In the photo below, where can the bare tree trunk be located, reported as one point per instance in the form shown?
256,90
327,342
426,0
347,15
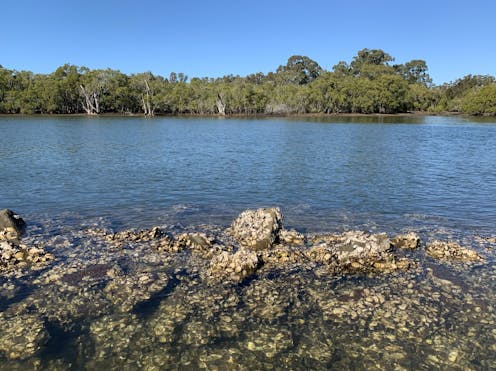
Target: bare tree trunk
90,103
147,101
221,107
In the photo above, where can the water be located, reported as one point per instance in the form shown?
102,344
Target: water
136,170
105,305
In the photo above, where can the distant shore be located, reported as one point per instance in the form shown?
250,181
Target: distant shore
255,115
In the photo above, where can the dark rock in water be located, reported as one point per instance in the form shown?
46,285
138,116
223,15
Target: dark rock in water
257,229
11,225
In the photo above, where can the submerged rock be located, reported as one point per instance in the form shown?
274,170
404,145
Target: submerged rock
449,250
127,236
409,240
21,336
257,229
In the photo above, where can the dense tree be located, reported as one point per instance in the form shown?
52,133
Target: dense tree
299,70
481,101
369,84
415,72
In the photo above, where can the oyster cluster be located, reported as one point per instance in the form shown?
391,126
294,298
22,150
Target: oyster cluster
254,295
450,250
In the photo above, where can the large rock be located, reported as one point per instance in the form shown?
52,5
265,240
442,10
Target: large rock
257,229
11,225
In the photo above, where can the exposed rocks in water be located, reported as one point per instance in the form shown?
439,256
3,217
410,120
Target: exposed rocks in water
257,229
356,251
254,295
11,225
13,253
451,251
409,240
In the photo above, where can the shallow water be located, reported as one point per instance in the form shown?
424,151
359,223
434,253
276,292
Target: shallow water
432,175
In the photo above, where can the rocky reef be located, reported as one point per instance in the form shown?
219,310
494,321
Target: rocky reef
253,294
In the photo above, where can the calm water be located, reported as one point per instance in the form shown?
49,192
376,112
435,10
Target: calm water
394,171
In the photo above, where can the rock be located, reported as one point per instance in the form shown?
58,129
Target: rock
449,250
361,245
233,267
11,225
257,229
355,251
409,240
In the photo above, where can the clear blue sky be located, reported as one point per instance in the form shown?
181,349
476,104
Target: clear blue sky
214,38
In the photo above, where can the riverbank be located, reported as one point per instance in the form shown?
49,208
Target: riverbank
250,294
255,115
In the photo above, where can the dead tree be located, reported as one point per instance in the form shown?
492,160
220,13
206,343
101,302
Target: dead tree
221,107
90,103
146,100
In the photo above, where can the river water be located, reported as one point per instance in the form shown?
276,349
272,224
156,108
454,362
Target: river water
435,175
137,171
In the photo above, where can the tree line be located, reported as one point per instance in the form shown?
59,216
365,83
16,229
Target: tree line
370,83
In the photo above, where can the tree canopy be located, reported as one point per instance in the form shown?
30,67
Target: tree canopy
370,83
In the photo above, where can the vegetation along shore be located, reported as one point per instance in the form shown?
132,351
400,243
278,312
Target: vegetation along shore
370,83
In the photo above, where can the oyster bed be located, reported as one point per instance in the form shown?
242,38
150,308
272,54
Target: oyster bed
250,296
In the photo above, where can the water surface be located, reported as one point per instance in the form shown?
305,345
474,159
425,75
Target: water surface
135,170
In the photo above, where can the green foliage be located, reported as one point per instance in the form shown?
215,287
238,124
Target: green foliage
298,70
480,101
369,84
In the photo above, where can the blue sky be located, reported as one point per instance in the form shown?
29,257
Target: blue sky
214,38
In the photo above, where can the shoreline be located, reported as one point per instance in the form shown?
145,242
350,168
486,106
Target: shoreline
242,115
